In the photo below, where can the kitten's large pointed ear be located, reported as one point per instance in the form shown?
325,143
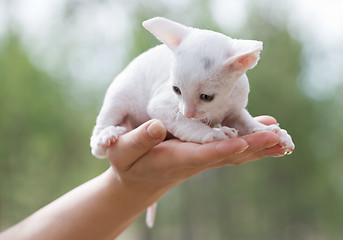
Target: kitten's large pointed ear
246,57
168,32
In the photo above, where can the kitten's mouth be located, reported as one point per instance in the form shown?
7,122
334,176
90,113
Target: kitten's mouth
199,116
196,118
204,120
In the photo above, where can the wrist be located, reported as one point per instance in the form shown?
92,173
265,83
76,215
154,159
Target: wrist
137,195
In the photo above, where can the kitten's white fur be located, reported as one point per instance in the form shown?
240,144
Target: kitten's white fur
197,62
202,64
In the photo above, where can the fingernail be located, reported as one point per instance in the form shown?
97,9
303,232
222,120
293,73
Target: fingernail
156,129
269,145
278,155
242,149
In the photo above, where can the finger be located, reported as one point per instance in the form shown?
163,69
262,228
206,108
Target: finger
275,151
253,149
191,155
131,146
267,120
261,140
257,142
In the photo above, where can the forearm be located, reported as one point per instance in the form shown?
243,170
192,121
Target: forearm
99,209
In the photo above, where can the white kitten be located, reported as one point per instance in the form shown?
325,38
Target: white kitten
192,82
195,80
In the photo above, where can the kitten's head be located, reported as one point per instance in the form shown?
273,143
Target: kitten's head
206,66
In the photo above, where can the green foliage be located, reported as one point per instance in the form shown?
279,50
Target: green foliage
45,149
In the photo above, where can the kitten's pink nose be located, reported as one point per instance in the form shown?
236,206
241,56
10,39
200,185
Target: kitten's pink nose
189,114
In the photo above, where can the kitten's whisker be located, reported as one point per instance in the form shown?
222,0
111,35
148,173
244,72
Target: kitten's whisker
176,112
207,120
179,114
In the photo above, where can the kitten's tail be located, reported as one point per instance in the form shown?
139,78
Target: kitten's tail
150,215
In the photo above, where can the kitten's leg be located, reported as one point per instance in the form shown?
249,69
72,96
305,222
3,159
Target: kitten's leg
196,131
106,130
184,128
246,124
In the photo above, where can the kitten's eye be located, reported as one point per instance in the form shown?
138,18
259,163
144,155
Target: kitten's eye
177,90
207,98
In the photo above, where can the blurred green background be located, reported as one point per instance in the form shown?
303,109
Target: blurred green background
58,57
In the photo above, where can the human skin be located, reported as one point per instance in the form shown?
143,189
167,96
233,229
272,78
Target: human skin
143,168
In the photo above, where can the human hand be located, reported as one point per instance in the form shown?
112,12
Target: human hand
146,163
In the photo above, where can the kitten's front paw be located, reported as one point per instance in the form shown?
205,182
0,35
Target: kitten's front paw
219,134
285,139
230,132
104,139
109,135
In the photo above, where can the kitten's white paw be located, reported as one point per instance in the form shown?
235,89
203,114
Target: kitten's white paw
104,139
109,135
285,139
219,134
230,132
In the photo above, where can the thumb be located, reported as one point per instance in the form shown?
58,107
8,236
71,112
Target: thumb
134,144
